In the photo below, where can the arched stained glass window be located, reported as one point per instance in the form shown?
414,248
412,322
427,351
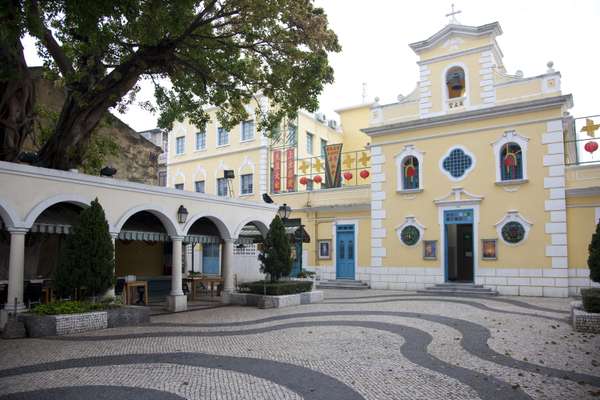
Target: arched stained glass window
511,162
410,173
455,81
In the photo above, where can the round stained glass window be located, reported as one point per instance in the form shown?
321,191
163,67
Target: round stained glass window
513,232
410,235
457,163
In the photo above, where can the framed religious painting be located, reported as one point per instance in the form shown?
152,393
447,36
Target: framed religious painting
325,249
430,249
489,249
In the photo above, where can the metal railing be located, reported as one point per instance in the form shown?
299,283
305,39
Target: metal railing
581,144
309,174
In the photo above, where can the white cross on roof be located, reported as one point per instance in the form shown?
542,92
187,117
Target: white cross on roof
452,15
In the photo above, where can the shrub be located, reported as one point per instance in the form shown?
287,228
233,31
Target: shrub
306,274
594,255
86,260
591,300
70,307
276,288
275,257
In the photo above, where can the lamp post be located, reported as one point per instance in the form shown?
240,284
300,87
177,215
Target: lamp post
284,211
182,214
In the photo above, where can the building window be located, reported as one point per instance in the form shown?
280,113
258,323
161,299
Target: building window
180,145
222,187
222,136
247,130
309,142
513,232
513,228
511,162
200,140
179,186
323,147
457,163
162,178
410,173
455,82
292,138
199,185
247,184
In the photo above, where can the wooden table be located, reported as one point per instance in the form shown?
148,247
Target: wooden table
129,297
208,281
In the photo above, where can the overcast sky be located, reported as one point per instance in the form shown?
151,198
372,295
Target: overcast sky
375,35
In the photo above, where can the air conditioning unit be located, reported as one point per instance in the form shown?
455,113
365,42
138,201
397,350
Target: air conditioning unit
332,123
320,117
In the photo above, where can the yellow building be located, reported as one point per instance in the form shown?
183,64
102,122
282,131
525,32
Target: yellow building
477,176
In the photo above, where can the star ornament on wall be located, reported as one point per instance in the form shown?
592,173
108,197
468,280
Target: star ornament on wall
318,165
303,166
590,128
348,162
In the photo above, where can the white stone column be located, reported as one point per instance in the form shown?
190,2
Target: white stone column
16,269
110,293
227,266
176,301
188,258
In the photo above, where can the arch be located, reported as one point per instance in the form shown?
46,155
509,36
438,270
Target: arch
176,178
510,137
409,151
246,163
8,215
200,172
76,199
262,226
444,86
170,225
224,230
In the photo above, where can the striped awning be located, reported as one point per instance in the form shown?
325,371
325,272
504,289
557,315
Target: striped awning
59,229
147,236
194,239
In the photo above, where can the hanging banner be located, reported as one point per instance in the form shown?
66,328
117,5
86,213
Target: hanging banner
333,176
291,170
276,171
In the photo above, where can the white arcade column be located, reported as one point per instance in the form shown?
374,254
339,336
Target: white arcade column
16,269
188,258
110,293
227,268
176,301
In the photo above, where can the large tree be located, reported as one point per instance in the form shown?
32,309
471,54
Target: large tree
195,52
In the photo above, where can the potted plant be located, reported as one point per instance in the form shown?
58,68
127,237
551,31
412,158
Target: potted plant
591,296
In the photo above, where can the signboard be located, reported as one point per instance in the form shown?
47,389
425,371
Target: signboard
291,170
333,158
276,171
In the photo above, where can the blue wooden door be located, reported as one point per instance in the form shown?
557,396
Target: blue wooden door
344,252
297,261
210,258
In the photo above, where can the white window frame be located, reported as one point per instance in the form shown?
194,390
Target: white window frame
177,152
228,137
467,171
196,186
409,150
310,138
510,136
513,215
251,192
253,133
200,133
226,188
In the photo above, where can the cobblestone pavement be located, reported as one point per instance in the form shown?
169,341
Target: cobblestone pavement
356,345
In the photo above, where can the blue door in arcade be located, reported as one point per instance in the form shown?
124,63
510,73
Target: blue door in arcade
210,258
344,252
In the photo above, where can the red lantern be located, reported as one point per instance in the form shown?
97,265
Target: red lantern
303,180
591,147
347,175
364,174
318,179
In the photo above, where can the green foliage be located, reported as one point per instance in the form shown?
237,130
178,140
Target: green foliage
99,148
276,257
86,260
276,288
594,256
590,299
70,307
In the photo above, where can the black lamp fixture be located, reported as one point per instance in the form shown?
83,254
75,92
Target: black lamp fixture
182,214
108,171
228,174
284,211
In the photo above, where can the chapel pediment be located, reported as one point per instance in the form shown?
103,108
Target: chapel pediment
458,196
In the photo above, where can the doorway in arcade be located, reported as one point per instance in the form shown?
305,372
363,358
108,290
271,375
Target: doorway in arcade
297,236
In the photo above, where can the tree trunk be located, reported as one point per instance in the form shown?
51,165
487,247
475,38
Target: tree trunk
16,87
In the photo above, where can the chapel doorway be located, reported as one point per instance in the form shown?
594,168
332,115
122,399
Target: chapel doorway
459,245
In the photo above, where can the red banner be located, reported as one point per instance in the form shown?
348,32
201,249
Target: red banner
291,170
332,165
276,170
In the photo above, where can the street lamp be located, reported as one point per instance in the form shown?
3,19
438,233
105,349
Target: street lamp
284,211
182,214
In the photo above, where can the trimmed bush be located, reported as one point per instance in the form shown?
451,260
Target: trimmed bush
70,307
275,258
594,256
276,288
590,299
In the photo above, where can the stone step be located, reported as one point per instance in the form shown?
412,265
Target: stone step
459,291
342,284
458,285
